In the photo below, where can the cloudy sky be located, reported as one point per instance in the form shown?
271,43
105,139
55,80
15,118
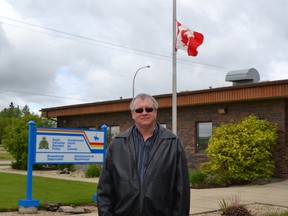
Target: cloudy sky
64,52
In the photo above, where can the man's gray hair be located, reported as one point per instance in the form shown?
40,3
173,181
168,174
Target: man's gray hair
143,96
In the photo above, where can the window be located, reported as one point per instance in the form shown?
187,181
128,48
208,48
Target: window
204,132
112,131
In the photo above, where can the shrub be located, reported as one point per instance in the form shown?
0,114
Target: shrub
234,208
196,177
239,210
93,171
241,153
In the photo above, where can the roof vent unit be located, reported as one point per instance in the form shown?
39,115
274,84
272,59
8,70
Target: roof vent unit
243,77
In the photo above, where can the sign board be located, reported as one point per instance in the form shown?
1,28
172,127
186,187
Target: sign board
60,145
54,145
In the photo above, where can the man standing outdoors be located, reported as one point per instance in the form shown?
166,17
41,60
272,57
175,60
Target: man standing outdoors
145,171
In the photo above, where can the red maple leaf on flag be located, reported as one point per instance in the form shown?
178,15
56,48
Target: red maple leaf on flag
188,40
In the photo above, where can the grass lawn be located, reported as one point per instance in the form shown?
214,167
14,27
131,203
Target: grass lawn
13,188
280,214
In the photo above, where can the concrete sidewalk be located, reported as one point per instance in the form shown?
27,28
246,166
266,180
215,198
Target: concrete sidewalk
205,200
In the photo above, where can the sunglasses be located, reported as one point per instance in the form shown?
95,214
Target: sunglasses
147,109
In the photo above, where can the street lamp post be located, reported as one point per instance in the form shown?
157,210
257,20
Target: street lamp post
148,66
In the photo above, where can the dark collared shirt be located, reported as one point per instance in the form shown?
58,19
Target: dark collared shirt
142,150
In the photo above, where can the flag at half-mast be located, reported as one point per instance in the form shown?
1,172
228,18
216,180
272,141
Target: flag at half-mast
188,40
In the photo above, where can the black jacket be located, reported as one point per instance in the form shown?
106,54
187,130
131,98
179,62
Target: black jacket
165,190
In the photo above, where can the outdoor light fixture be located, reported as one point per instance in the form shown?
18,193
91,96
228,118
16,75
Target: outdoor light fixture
222,111
148,66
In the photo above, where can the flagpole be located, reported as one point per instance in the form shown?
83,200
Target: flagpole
174,73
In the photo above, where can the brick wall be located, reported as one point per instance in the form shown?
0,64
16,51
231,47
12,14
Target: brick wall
273,110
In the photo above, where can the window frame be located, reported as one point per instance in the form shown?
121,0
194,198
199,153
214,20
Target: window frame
198,136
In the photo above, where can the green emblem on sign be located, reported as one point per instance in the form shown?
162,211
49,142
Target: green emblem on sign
43,144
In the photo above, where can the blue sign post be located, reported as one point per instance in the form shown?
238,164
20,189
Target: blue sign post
29,202
62,146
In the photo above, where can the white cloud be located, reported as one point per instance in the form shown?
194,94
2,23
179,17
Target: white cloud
100,45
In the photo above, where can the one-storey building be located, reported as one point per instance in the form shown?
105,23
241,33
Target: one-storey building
197,112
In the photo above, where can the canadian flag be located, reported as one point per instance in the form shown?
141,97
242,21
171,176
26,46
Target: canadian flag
188,40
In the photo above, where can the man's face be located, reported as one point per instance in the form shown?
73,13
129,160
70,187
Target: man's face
144,113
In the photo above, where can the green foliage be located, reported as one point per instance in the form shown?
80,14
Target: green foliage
4,121
11,112
223,204
8,113
51,190
234,200
279,214
93,171
196,177
241,153
15,137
